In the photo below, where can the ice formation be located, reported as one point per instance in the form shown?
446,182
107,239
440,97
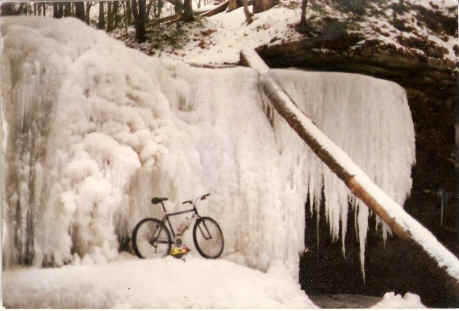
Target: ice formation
354,111
96,129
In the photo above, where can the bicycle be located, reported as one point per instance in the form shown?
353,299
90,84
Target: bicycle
151,238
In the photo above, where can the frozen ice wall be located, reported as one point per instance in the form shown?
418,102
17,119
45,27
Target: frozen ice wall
370,120
66,174
259,194
96,129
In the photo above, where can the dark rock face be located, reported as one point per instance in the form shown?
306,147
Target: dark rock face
432,76
430,82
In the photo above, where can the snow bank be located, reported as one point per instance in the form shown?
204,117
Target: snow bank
391,300
160,283
96,130
232,34
129,282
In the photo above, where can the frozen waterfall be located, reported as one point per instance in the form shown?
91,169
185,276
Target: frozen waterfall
96,129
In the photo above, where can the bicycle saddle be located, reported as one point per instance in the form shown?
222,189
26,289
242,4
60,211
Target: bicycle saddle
156,200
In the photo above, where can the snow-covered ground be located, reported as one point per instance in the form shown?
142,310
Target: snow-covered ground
129,282
227,33
232,34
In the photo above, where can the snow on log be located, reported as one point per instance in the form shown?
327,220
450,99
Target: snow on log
405,226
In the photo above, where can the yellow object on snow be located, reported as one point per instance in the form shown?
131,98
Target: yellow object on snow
179,251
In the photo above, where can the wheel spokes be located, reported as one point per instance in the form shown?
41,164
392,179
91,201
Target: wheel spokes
152,240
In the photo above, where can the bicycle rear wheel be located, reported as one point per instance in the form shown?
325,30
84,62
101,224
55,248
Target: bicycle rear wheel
151,239
208,238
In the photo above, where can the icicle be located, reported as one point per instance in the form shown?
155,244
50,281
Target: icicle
363,229
344,214
383,227
318,232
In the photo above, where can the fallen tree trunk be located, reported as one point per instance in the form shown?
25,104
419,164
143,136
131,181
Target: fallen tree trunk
213,66
177,17
207,13
221,8
169,19
355,179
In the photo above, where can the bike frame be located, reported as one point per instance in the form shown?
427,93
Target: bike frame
166,217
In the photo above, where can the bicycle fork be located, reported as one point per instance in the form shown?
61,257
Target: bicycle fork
205,233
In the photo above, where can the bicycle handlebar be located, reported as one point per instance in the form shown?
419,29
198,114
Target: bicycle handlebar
203,197
156,200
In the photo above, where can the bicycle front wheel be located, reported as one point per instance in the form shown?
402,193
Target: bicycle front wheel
208,238
151,239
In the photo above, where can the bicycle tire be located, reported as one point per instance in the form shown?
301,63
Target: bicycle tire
208,238
146,239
